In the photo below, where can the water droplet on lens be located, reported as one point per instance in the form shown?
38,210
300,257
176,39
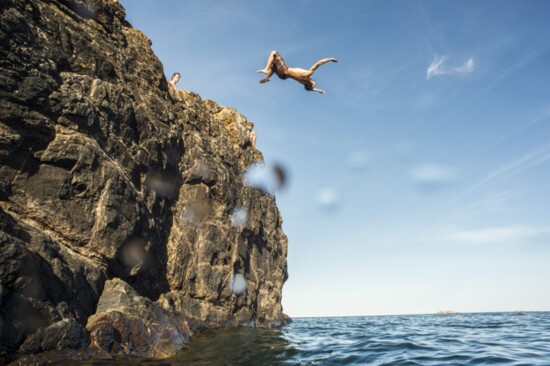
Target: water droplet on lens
268,178
195,213
238,284
432,177
280,174
239,216
357,160
328,199
133,252
161,185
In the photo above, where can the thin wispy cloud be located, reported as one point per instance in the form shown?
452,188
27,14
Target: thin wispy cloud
493,201
542,117
516,166
467,67
436,67
360,88
439,67
500,235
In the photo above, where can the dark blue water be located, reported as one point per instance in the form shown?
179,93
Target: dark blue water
459,339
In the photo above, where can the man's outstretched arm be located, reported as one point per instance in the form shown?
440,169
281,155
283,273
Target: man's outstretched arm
321,62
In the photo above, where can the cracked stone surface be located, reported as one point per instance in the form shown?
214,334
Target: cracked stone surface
108,173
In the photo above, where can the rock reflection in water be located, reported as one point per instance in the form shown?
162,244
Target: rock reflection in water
241,346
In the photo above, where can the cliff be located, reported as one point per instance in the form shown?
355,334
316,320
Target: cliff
118,194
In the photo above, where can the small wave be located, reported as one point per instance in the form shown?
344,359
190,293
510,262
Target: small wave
491,360
472,339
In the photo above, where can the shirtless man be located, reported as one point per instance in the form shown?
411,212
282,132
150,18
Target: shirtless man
175,78
276,64
251,134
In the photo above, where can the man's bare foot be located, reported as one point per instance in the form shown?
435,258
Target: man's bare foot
264,80
263,71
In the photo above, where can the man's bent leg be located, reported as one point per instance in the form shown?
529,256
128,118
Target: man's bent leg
269,63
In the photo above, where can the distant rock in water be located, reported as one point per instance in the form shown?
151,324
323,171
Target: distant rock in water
118,194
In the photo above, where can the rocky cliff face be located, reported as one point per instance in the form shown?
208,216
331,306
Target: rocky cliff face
114,185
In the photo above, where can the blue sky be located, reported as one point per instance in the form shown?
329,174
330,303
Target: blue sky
420,181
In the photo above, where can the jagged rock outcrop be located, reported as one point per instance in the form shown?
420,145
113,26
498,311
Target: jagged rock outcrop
108,173
125,322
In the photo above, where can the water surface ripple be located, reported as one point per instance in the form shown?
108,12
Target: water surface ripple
457,339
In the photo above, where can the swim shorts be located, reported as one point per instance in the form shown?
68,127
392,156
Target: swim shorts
279,66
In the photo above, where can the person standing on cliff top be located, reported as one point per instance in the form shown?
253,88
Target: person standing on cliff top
276,64
251,134
175,78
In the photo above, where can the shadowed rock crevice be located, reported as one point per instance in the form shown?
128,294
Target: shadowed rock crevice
125,223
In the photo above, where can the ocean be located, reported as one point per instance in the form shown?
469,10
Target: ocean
519,338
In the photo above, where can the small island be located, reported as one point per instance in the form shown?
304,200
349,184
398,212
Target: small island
447,312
